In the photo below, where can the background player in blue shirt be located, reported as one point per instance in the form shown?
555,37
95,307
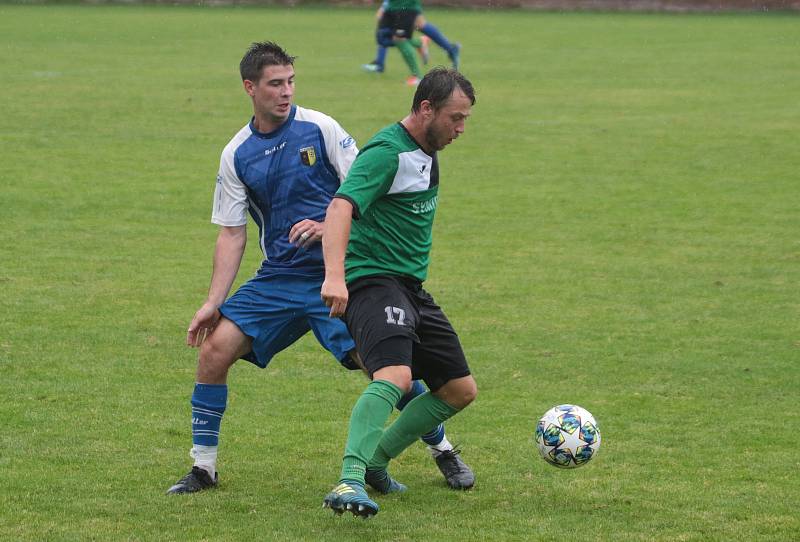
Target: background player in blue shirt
282,168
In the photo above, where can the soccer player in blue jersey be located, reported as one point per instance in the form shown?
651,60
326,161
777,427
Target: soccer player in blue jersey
283,168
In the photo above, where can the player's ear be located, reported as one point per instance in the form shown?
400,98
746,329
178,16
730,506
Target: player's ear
426,108
249,87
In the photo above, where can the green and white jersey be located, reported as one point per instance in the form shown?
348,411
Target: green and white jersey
393,186
396,5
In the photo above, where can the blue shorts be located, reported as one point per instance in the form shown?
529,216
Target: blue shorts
275,311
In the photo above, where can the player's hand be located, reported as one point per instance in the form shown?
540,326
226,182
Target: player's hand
306,232
334,294
203,323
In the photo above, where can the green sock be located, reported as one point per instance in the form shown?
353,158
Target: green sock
415,42
366,427
419,416
407,50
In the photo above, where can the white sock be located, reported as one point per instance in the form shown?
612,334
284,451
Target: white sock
441,447
205,457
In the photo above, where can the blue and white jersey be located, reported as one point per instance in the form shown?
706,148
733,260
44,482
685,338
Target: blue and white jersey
281,178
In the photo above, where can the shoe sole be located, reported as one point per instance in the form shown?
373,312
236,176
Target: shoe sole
362,511
178,490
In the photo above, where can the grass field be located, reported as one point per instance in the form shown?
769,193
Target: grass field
618,228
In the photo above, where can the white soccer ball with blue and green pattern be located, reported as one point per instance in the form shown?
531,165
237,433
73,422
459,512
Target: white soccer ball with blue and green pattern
567,436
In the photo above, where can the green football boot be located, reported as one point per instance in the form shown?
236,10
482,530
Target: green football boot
350,497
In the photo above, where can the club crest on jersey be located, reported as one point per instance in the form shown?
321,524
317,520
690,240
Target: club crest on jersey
308,156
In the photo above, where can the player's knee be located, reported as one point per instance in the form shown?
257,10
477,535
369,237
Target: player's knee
213,362
399,375
459,393
405,384
384,37
470,393
465,394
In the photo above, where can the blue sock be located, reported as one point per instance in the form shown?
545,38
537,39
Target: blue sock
438,38
380,56
208,405
417,388
433,437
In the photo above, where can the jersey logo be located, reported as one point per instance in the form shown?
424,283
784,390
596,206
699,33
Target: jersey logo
308,156
423,207
347,142
276,148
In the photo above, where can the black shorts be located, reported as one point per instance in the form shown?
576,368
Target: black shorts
395,322
401,22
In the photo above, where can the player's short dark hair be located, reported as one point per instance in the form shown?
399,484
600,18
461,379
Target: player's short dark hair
262,54
437,86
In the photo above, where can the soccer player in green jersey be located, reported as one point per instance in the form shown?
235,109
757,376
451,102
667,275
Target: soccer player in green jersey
376,247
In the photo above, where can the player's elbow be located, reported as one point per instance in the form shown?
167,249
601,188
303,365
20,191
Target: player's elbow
339,207
233,236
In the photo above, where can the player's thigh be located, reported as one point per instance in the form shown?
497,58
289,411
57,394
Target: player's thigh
271,312
438,356
220,350
332,334
226,342
381,318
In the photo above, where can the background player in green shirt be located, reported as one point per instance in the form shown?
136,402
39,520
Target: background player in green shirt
375,282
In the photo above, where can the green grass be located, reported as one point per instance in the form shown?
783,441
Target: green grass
618,228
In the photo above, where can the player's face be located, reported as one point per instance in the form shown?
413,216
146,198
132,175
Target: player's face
272,94
448,122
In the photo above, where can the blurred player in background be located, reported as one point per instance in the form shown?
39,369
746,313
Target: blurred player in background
393,30
283,167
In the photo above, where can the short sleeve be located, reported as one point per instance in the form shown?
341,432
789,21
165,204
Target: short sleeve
370,177
340,147
230,194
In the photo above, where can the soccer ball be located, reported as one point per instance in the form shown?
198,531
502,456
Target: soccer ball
567,436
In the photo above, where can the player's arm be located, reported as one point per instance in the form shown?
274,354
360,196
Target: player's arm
338,220
230,213
228,253
381,11
370,178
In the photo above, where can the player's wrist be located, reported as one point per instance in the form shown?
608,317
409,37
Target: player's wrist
334,275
